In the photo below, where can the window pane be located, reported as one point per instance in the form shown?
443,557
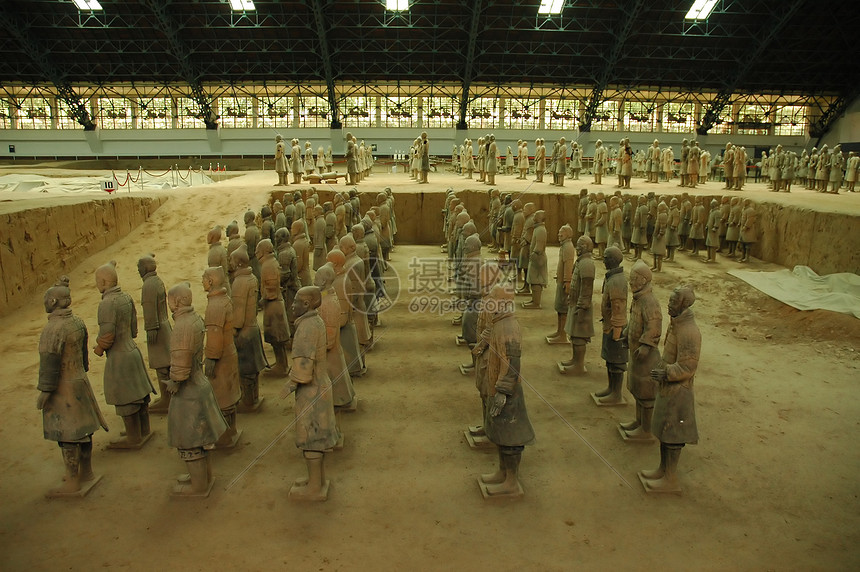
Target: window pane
5,115
523,113
639,117
188,114
791,120
358,111
752,119
440,111
606,117
64,116
313,112
35,113
483,112
399,111
114,113
275,111
562,114
235,111
678,117
155,113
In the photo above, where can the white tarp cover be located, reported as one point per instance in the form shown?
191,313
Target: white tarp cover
803,289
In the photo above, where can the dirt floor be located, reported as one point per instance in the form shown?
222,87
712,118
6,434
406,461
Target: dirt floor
772,484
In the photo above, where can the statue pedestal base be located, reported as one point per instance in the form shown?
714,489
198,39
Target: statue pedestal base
123,445
86,487
621,403
518,494
298,493
478,442
648,490
645,441
184,491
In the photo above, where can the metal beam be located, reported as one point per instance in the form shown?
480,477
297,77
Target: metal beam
172,32
468,70
834,111
325,53
631,13
745,64
42,57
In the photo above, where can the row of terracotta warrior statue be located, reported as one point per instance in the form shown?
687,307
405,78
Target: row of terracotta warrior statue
208,366
779,168
631,330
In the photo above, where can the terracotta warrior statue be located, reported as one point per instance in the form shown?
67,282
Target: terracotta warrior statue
613,310
506,421
217,256
640,227
302,249
712,231
221,362
316,429
252,237
153,300
674,422
70,412
249,343
492,162
643,340
332,313
126,383
540,161
296,162
599,161
563,276
748,229
660,238
276,329
349,340
319,237
281,161
537,272
356,283
194,422
580,317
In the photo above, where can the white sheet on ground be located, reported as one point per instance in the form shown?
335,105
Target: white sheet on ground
803,289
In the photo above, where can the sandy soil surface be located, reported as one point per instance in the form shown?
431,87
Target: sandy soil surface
772,485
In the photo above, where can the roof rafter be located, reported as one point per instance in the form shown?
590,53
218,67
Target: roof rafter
172,31
746,63
631,13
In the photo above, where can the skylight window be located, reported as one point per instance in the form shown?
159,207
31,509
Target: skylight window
397,5
242,5
87,4
701,9
550,6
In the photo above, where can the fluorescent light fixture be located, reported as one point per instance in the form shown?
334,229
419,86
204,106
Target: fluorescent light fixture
701,9
87,4
550,6
242,5
397,5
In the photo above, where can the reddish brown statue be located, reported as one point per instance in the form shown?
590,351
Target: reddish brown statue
249,343
221,363
194,422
